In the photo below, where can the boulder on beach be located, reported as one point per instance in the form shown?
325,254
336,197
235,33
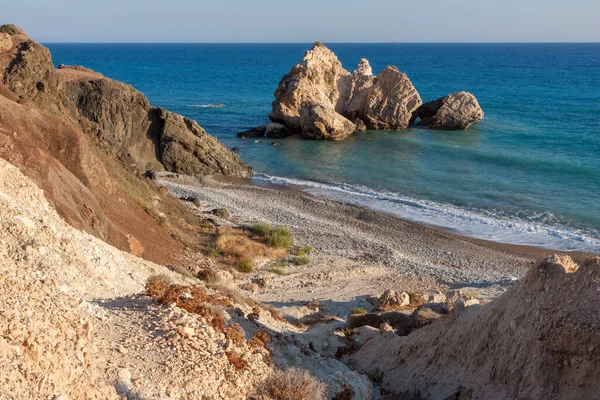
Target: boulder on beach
453,112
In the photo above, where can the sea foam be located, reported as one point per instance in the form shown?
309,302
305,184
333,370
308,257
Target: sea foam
481,224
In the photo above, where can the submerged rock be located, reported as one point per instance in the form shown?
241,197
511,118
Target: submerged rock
275,130
454,112
259,131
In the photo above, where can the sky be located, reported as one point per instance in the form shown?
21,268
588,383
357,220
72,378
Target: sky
306,21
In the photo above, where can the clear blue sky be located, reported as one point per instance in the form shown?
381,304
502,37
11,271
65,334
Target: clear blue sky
306,20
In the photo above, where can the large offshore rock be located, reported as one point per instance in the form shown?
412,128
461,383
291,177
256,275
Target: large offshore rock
454,112
390,102
319,79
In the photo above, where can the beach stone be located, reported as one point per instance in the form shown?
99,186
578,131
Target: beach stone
454,112
437,298
391,102
392,299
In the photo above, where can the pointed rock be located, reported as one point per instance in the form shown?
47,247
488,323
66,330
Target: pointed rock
362,82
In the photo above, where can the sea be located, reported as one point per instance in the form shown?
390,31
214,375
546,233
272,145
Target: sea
528,174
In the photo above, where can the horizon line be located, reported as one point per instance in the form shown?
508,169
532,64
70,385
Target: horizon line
390,42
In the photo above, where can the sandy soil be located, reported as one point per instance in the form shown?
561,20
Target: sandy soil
358,253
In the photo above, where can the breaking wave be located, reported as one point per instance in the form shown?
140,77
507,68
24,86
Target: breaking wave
539,230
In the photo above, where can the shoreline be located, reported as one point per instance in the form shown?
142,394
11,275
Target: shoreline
358,252
527,250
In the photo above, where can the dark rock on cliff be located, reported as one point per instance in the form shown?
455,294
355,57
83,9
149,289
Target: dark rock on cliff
122,120
186,148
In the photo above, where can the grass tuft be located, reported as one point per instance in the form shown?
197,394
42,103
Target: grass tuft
302,250
302,260
245,265
280,237
358,311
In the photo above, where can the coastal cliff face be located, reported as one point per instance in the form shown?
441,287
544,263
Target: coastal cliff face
118,116
87,140
319,99
540,340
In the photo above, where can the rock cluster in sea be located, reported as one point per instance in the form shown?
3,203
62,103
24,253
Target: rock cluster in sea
319,99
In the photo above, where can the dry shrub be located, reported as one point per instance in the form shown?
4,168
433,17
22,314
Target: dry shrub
237,360
208,275
193,299
218,323
292,384
238,246
157,286
236,334
260,339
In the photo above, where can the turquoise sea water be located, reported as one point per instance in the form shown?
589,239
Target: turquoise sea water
529,173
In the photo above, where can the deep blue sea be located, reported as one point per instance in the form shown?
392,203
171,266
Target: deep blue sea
529,173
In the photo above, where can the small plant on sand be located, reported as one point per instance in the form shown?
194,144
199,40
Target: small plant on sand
245,265
302,250
358,311
280,237
349,332
277,270
302,260
291,384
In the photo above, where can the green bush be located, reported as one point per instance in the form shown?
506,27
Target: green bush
358,311
261,229
213,251
245,265
280,237
302,260
302,250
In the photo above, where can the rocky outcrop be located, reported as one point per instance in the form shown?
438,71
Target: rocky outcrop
540,340
187,148
86,141
118,116
318,80
453,112
319,99
390,103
